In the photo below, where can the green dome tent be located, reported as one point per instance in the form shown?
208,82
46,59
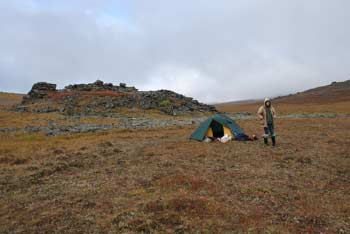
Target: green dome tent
217,126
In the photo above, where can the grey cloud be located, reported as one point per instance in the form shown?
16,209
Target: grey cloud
212,50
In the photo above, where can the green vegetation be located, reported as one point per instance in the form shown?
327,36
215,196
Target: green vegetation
165,103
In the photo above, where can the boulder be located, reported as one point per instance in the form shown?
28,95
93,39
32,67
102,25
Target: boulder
98,83
40,90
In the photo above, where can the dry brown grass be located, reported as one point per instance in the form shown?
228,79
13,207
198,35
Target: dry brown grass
156,181
10,119
9,99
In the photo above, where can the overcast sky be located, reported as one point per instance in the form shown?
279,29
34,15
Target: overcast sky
212,50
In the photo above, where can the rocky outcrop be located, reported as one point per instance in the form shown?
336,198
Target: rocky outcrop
100,86
171,102
39,90
54,129
100,98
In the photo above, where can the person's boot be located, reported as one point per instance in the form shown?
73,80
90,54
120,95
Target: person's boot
273,141
266,141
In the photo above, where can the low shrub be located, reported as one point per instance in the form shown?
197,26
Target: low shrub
165,103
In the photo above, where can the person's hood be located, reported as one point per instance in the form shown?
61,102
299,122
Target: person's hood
267,100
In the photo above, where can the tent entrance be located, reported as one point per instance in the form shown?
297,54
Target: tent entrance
216,126
218,129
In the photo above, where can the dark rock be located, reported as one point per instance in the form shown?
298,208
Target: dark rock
176,103
46,109
44,86
8,130
39,90
21,108
98,83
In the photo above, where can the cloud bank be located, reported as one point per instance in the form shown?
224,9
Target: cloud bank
213,50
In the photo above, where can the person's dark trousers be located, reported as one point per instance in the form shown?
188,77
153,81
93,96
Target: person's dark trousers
273,138
269,131
266,135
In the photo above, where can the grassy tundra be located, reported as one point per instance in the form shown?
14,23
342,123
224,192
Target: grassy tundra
156,181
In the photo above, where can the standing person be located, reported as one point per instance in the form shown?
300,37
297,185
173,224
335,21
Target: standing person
266,114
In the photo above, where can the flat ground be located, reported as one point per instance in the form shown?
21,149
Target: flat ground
156,181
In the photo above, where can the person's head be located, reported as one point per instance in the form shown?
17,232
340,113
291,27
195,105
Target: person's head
267,102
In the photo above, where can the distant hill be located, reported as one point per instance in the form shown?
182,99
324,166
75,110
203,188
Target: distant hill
335,92
334,97
241,102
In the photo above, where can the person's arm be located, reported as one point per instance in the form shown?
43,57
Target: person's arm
260,113
274,112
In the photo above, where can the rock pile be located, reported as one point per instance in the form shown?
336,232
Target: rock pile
102,98
100,86
39,90
171,102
